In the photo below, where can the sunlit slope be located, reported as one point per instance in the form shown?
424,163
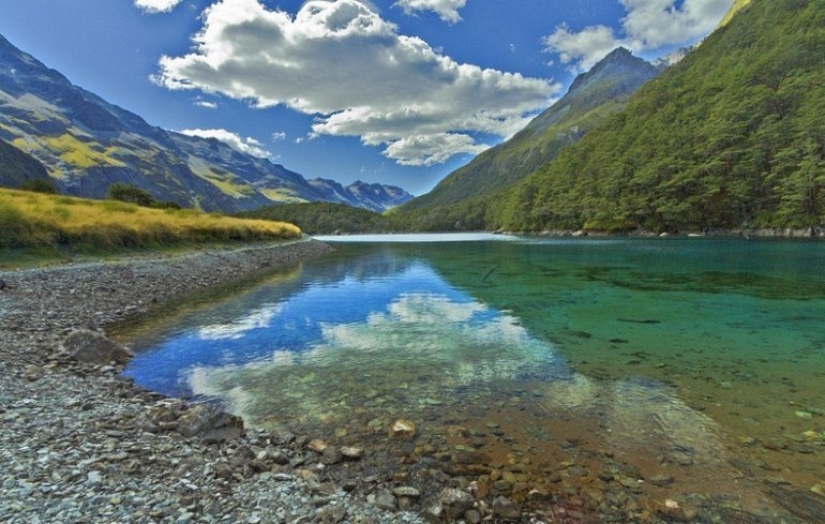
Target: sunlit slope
737,6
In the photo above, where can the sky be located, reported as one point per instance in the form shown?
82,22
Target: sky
399,92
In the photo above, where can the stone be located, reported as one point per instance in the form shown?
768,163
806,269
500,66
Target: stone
406,491
661,481
505,510
385,500
403,428
331,515
352,453
317,445
331,455
455,503
211,423
472,516
91,347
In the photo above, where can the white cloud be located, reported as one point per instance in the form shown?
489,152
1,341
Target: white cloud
339,60
244,145
157,6
277,137
447,10
206,104
649,25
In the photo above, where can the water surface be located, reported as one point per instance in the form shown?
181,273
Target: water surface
696,360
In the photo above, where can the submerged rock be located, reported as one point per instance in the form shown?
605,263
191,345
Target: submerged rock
404,428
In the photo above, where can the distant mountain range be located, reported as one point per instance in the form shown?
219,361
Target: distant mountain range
86,144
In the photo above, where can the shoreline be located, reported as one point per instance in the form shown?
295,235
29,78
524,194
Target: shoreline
80,443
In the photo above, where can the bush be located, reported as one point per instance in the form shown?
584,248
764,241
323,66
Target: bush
130,194
39,186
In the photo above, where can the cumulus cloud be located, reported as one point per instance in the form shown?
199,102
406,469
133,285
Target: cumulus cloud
340,61
244,145
446,10
648,25
157,6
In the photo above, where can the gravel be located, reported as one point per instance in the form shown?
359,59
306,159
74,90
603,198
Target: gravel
80,443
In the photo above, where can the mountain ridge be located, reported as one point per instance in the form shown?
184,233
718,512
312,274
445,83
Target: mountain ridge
592,96
87,144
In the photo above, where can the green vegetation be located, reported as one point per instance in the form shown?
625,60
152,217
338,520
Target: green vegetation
40,223
325,218
731,136
456,203
39,186
137,196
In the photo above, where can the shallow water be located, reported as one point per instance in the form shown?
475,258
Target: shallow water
694,359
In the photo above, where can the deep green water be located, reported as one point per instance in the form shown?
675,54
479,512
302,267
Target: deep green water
683,355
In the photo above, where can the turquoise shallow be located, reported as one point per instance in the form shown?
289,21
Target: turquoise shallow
691,358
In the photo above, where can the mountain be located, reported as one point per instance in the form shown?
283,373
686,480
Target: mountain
18,167
86,144
592,97
730,137
375,197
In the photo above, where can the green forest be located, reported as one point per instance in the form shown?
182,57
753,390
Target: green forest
733,136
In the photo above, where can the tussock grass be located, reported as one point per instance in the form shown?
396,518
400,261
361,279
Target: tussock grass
39,221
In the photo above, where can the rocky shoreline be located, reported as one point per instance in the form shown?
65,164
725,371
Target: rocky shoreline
79,443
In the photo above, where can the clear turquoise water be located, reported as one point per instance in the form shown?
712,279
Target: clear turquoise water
676,355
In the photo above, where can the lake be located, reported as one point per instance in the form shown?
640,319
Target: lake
689,370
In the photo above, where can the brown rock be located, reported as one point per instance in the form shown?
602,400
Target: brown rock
92,347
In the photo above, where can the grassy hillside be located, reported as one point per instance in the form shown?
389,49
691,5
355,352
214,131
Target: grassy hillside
325,218
731,136
42,222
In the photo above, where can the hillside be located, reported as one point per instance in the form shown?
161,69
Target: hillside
87,144
591,98
732,136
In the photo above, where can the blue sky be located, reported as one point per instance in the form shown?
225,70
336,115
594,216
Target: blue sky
394,91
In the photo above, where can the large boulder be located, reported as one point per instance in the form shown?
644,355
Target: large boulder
211,423
92,347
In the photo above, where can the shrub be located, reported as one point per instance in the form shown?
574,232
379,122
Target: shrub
131,194
39,186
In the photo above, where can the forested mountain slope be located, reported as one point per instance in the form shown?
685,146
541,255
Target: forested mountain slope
591,98
732,136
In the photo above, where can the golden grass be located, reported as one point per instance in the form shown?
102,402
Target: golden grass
34,220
